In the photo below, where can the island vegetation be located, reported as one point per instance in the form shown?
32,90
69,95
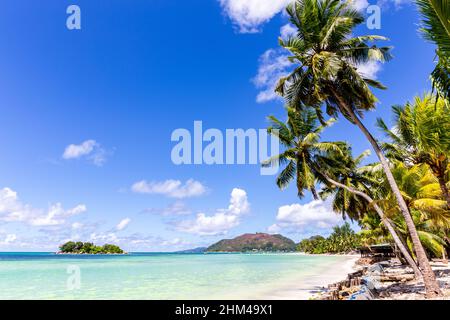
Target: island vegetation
342,240
403,197
257,242
79,247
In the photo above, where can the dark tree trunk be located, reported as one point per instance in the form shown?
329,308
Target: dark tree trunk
444,189
429,279
439,169
314,193
385,221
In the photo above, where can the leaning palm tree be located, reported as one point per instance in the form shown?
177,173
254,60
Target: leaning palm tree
353,189
436,28
423,197
300,138
421,135
345,169
326,57
308,161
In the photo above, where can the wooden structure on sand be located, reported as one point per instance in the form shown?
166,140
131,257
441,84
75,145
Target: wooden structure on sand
384,250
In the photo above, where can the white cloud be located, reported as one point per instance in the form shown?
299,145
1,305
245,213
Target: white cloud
288,30
9,238
238,202
220,222
360,4
77,225
12,209
274,228
170,188
123,224
74,151
249,15
316,214
273,64
369,69
56,215
9,201
90,149
109,237
216,224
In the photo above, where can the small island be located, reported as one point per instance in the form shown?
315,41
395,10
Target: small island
79,247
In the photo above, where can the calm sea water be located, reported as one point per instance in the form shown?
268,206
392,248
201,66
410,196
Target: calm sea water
153,275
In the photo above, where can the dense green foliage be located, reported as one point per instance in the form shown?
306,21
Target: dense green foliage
426,202
254,242
325,54
342,240
422,136
407,192
89,248
436,28
300,136
325,78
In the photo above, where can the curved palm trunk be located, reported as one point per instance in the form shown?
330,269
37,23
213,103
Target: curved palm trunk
444,189
385,221
314,193
429,279
438,168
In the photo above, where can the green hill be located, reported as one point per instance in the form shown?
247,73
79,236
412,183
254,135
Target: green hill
254,242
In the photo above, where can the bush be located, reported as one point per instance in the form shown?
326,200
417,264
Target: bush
67,247
342,240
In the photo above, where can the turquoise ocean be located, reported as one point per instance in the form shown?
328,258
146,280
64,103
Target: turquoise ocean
154,275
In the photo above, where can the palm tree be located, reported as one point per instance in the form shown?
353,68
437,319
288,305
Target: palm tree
421,135
353,189
300,138
423,197
308,160
345,169
326,57
373,230
436,28
343,239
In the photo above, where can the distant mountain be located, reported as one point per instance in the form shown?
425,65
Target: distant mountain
254,242
195,250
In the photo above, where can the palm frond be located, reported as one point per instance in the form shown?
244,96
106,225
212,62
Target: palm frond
436,22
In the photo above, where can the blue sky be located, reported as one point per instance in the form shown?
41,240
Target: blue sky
87,116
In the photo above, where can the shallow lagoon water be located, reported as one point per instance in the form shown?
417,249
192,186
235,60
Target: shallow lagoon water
155,275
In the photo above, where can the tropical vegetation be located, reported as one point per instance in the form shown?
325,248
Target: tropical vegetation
251,242
89,248
330,163
404,197
436,28
421,135
342,240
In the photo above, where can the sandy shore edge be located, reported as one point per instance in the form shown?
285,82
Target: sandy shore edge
306,288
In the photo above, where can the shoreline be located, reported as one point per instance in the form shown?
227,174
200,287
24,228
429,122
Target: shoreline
89,254
386,279
307,287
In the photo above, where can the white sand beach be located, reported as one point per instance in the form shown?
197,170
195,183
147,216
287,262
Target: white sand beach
306,287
